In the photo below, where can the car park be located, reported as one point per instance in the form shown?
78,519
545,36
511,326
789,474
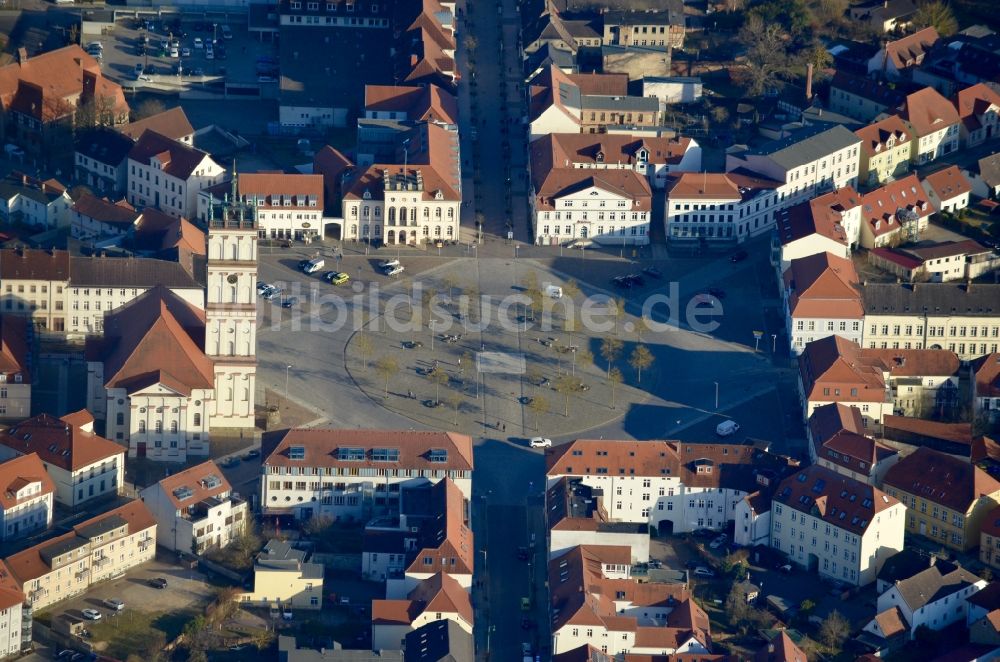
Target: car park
540,442
157,582
91,614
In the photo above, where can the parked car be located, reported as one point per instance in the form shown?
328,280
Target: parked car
209,52
220,52
385,265
198,43
718,542
227,32
395,271
739,256
653,272
289,302
540,442
91,614
262,287
336,277
185,52
157,582
113,603
523,554
786,568
251,454
702,571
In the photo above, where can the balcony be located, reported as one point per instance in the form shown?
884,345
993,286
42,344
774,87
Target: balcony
79,574
39,592
101,562
145,543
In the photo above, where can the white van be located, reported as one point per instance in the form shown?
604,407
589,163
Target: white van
553,291
727,428
386,265
314,265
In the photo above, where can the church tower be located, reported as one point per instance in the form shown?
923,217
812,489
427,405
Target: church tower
231,309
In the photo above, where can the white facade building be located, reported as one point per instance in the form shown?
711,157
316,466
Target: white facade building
167,174
934,598
612,207
41,205
26,497
837,527
287,205
821,298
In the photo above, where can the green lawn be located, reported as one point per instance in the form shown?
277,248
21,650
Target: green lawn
137,633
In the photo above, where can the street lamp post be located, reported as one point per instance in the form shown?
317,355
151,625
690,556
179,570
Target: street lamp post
716,395
431,325
287,368
774,342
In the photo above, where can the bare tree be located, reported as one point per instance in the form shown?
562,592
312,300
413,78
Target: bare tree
937,15
584,356
767,53
565,386
455,401
616,308
611,349
614,379
640,359
439,378
148,108
539,406
834,630
365,347
387,367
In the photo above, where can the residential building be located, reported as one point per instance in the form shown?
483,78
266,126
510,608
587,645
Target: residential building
895,59
651,157
729,207
937,263
953,438
437,598
979,109
884,15
989,539
821,298
673,486
959,317
169,239
894,213
886,151
838,440
576,515
986,386
780,648
100,548
290,651
288,205
282,577
47,95
808,161
358,472
864,98
611,207
832,370
947,498
43,205
984,176
438,640
167,174
948,189
316,15
665,27
172,123
196,509
82,465
100,160
430,534
838,527
335,169
26,500
594,597
34,283
549,28
933,598
830,223
413,103
672,89
99,285
15,617
982,606
415,203
934,121
99,219
15,368
605,113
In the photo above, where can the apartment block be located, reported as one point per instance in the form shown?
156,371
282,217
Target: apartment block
168,174
282,577
196,509
358,473
288,206
440,597
15,368
821,299
26,500
886,151
840,441
895,213
576,515
830,223
728,207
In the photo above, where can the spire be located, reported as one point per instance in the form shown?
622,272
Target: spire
232,195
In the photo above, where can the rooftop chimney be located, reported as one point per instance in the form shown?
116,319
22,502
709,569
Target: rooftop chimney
809,81
22,55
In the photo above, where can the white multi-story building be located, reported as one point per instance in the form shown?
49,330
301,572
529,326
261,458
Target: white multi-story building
15,616
41,205
100,160
355,473
287,205
34,283
979,109
840,528
82,465
25,497
729,207
809,161
98,219
935,122
196,509
439,597
673,486
821,298
612,207
167,174
830,223
576,515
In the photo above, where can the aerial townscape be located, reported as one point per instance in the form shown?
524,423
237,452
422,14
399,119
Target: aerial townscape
507,331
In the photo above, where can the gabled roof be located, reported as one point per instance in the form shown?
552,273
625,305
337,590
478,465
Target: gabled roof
104,145
903,565
120,214
736,185
891,622
835,362
424,103
975,101
156,338
34,264
876,136
104,271
176,158
195,484
418,449
941,478
876,91
880,208
823,286
19,472
59,442
822,216
991,524
931,299
15,356
172,123
447,540
910,50
438,641
842,502
935,583
987,375
989,597
780,649
838,428
806,145
948,183
561,182
927,111
442,593
834,418
272,189
563,150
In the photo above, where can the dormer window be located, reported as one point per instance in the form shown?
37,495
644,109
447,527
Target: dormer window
438,195
600,157
366,195
296,5
643,155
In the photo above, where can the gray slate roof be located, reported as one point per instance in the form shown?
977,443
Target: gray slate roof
806,145
931,585
289,652
604,102
129,272
931,299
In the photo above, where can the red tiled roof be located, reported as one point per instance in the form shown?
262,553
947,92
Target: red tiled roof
560,182
960,433
948,183
424,103
927,111
610,84
33,264
716,185
991,527
176,159
824,286
442,593
172,123
780,649
897,257
14,350
910,50
941,478
987,372
821,215
119,213
272,189
564,150
975,101
880,207
891,622
60,442
199,480
19,472
875,137
450,547
840,501
835,363
415,446
10,591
